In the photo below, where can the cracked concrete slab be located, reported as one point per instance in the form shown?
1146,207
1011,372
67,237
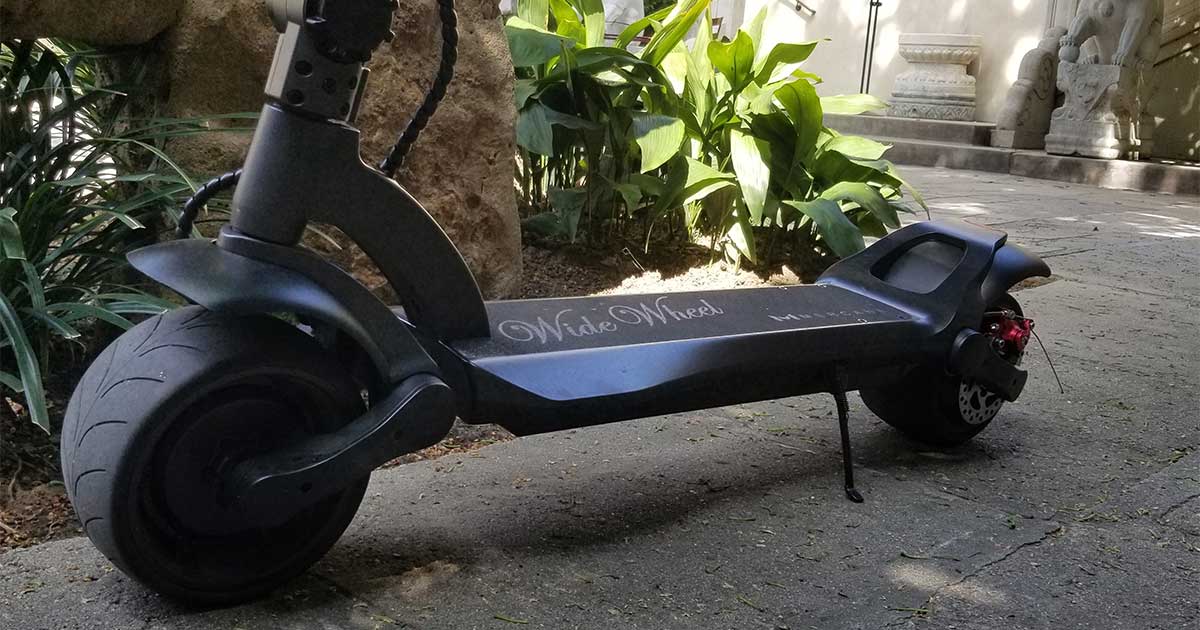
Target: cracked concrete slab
1074,510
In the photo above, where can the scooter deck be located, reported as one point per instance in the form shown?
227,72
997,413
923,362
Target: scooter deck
619,357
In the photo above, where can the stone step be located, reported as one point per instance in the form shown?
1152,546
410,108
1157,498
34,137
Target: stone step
946,154
1151,176
970,133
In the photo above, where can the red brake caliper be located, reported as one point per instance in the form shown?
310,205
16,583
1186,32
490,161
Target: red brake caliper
1009,332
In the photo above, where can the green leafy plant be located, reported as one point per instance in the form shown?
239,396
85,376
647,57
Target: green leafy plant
731,133
80,185
759,155
585,136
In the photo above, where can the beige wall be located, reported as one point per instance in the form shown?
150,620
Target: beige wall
1010,29
1177,102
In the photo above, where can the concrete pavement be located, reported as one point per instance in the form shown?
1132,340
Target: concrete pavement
1071,511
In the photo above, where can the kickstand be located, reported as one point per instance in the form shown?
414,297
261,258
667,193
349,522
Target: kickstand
843,408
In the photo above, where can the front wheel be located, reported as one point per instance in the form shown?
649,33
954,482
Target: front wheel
942,409
162,416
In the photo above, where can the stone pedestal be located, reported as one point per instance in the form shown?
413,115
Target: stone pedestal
1101,116
937,85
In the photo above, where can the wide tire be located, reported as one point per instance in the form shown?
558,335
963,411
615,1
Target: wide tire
164,413
936,407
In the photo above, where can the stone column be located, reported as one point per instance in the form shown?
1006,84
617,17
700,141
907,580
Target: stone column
937,85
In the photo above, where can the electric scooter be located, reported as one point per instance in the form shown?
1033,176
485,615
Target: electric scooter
218,450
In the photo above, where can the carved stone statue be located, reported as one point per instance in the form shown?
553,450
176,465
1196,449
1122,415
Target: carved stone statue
1107,90
1025,118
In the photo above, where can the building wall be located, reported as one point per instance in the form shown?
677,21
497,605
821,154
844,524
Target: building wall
1010,29
1177,102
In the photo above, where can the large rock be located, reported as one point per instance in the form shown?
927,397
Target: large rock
215,60
101,22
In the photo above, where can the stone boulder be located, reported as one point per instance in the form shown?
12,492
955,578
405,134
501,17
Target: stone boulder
215,56
99,22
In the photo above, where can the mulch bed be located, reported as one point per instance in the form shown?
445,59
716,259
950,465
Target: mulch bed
33,501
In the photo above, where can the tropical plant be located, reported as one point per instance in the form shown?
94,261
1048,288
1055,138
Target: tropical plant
585,134
80,184
731,132
757,153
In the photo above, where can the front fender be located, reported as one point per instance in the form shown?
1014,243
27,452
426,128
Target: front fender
1011,265
220,280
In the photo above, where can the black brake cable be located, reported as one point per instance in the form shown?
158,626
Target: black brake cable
395,158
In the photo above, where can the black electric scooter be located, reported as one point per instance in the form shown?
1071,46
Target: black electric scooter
216,451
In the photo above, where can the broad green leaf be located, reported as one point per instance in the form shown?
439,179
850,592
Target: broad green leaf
733,59
866,197
533,46
651,186
568,204
658,137
741,234
699,71
890,169
535,12
869,224
27,364
803,107
631,194
675,66
703,180
751,159
838,232
851,104
523,91
600,58
566,20
699,172
533,130
555,117
10,235
593,20
858,147
782,61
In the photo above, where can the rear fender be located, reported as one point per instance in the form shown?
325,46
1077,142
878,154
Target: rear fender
1011,265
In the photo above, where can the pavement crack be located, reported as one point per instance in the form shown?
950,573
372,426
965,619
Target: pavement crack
991,563
1181,503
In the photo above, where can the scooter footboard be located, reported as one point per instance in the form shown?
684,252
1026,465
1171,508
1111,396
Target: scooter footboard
559,363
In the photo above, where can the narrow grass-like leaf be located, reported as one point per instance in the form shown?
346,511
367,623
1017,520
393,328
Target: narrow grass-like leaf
27,363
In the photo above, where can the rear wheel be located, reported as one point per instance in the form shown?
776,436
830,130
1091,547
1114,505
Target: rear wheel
942,409
159,420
